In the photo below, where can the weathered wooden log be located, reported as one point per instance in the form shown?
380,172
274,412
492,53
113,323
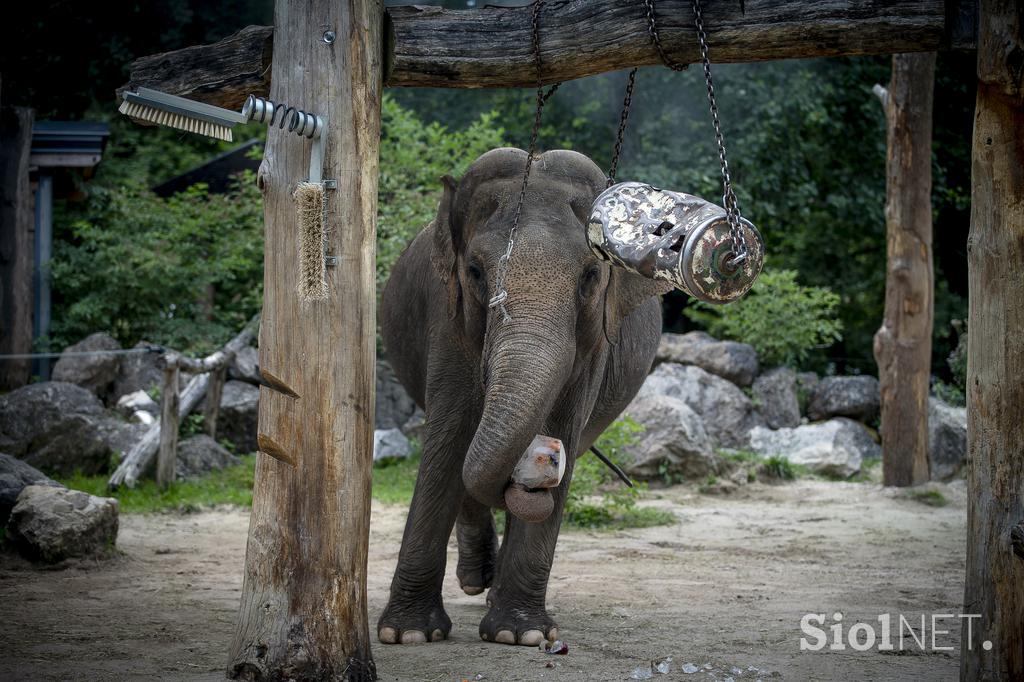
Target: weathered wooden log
903,344
211,412
170,418
490,46
303,611
141,454
994,586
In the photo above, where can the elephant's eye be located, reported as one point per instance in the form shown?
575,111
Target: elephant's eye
589,279
475,272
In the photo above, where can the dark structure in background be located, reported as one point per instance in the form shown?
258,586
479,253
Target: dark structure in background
217,173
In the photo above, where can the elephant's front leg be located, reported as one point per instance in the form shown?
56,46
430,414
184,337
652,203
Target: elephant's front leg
517,599
415,612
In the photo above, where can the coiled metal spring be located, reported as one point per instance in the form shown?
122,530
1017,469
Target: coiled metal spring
302,123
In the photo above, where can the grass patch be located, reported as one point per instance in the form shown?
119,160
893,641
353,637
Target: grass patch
232,485
393,482
932,498
778,466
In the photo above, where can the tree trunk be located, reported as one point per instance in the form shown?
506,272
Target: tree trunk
211,412
16,219
170,420
303,606
995,356
903,344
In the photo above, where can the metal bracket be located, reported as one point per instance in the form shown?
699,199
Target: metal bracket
330,261
330,184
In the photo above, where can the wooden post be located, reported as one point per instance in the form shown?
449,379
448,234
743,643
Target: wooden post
213,395
16,219
995,356
303,606
903,344
169,421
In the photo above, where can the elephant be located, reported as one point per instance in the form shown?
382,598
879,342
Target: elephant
579,341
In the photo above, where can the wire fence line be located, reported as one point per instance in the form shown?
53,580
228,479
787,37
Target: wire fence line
159,350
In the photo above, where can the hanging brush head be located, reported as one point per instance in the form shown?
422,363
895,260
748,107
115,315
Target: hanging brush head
177,112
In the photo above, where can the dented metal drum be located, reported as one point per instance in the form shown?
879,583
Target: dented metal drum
675,237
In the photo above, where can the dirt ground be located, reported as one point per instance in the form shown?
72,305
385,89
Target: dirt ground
723,589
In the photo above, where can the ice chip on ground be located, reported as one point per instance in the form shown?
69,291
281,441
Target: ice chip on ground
642,672
689,668
557,647
664,666
736,671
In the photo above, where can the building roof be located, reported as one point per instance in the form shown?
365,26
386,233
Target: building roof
68,144
216,173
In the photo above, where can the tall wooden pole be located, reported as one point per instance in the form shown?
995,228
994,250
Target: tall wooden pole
303,608
995,356
903,344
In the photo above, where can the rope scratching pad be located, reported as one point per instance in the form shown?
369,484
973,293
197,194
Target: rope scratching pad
309,203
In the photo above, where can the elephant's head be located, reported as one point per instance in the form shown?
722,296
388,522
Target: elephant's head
546,364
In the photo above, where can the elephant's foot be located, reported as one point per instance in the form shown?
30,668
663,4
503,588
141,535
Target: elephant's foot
526,626
414,622
476,568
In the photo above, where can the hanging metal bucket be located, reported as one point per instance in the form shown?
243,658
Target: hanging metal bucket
674,237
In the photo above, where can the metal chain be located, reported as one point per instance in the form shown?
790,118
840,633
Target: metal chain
622,127
500,294
652,28
732,208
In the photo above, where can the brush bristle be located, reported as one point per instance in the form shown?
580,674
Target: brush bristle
166,118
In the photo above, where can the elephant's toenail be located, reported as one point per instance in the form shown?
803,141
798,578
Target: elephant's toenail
552,634
505,637
387,635
413,637
436,635
471,590
531,638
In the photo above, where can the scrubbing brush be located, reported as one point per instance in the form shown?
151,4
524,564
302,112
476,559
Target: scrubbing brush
184,114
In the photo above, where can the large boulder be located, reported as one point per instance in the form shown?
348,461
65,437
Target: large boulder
138,408
201,454
833,448
730,360
95,373
775,397
245,366
674,440
727,413
15,475
947,439
138,372
393,406
390,444
52,524
238,420
856,397
61,428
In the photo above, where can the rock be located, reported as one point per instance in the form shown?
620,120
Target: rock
119,436
776,398
131,403
674,440
833,448
730,360
238,420
95,373
806,382
59,427
390,444
53,524
856,397
394,407
947,439
416,426
138,372
727,413
201,454
14,476
246,366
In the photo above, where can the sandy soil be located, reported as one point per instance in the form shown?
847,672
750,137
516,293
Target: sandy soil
725,588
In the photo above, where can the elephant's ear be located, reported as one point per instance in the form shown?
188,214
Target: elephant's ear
447,242
626,290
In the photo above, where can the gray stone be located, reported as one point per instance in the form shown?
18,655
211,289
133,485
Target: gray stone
246,366
727,413
238,420
947,439
58,427
52,524
856,397
806,382
833,448
776,399
200,455
416,425
131,403
14,476
95,373
393,406
730,360
138,372
390,444
674,440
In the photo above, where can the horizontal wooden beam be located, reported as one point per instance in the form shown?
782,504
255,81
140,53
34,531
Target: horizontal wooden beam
490,47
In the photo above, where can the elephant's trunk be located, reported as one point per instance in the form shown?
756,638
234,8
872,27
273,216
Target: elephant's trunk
527,367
